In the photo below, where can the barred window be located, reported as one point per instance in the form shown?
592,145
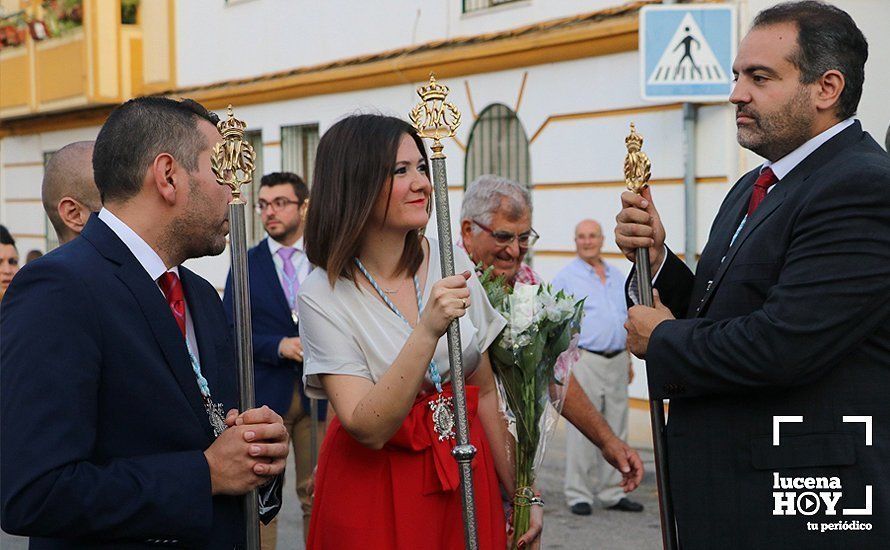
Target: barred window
478,5
254,223
298,145
498,145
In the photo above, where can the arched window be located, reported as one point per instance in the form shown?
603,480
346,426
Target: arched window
498,145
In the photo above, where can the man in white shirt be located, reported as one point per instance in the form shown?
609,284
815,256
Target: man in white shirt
278,266
776,363
118,386
496,232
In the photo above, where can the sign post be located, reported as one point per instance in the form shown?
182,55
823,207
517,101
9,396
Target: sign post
686,54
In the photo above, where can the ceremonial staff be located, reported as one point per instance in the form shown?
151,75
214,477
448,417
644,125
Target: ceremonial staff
437,119
232,161
637,170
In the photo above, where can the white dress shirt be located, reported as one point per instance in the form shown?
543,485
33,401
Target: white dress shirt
780,168
152,264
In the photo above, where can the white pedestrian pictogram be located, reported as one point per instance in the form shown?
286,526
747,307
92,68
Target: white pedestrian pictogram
688,59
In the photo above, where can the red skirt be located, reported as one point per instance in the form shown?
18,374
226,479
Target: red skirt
407,495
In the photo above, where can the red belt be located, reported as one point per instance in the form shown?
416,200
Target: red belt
416,434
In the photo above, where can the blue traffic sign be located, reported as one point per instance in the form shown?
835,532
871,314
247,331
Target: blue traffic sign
686,52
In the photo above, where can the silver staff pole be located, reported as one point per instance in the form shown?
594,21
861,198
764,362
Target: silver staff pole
637,170
437,119
233,163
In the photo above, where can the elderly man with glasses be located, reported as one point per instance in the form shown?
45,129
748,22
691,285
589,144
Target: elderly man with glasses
496,227
496,231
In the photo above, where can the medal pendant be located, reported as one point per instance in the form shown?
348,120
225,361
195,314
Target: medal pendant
216,416
443,417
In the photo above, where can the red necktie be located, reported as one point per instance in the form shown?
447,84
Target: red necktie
172,288
761,186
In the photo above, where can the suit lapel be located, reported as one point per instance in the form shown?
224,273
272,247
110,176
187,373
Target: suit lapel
776,197
769,205
727,220
155,309
269,278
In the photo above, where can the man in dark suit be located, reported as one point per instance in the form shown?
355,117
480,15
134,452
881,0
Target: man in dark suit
117,370
278,265
778,364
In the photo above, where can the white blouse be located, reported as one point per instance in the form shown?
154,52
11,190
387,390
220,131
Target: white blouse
348,330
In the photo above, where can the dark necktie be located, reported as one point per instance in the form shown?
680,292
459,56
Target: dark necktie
761,186
172,289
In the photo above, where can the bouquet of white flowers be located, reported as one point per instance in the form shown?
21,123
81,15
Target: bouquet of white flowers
532,359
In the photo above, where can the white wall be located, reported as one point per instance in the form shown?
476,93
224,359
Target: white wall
21,175
581,149
275,35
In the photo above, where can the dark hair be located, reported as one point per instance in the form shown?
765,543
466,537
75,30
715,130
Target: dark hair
6,236
355,160
140,130
280,178
827,39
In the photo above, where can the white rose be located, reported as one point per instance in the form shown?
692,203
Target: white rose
523,306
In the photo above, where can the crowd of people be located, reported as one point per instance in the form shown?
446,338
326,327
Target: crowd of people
351,351
120,426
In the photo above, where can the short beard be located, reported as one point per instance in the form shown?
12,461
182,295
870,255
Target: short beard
780,132
283,233
191,235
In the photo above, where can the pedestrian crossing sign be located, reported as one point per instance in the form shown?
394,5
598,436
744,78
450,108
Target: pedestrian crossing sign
686,52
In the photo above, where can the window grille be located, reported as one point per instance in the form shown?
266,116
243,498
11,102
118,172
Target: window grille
298,145
470,6
254,223
498,145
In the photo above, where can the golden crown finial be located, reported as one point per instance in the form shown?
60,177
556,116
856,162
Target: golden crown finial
433,90
231,127
232,159
633,141
637,168
434,118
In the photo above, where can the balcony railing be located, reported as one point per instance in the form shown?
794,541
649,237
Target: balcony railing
103,61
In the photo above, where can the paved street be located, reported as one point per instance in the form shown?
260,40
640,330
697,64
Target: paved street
604,530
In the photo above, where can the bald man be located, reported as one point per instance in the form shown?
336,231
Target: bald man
69,193
603,371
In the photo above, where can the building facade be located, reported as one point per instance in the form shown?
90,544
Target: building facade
547,90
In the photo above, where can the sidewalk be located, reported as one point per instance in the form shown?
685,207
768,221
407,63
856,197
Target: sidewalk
605,529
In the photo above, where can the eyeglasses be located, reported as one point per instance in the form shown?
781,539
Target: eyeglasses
278,204
505,238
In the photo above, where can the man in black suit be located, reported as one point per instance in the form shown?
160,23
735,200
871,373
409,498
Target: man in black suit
777,365
117,368
278,265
